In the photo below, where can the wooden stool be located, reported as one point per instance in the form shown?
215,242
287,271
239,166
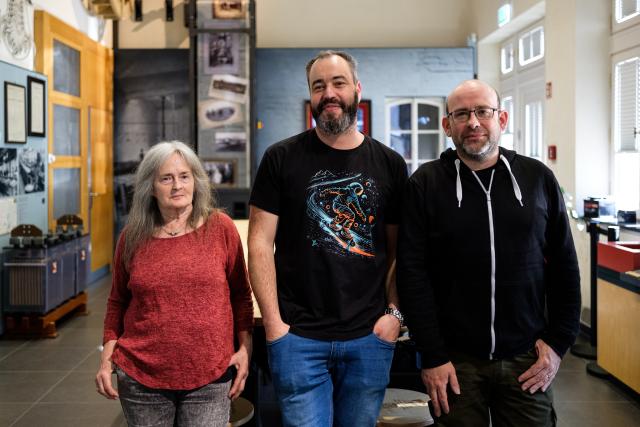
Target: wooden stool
241,412
404,408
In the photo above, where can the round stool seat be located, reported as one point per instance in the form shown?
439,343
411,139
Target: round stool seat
404,408
241,412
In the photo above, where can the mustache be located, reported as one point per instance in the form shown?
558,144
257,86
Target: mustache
326,101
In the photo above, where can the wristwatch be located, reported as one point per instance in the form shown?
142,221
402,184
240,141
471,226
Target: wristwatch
395,313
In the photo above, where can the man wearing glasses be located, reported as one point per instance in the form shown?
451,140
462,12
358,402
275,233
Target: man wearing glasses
487,272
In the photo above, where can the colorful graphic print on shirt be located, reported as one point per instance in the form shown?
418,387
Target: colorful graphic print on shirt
341,209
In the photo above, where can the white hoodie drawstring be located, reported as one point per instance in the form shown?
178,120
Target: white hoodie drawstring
514,183
516,187
458,183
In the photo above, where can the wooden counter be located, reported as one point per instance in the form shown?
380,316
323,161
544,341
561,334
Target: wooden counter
619,332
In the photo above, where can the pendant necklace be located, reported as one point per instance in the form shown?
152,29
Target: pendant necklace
172,233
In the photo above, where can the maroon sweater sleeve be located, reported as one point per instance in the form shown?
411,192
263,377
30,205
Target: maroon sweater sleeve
237,278
119,297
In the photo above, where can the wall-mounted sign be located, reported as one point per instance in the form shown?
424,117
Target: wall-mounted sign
504,14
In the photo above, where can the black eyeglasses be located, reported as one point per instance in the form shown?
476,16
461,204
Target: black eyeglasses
482,113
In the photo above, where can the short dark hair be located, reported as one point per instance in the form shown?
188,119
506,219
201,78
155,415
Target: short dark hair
353,64
446,101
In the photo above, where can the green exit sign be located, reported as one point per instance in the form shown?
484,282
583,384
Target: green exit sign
504,14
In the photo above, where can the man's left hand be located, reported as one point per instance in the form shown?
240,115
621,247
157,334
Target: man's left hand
541,374
387,328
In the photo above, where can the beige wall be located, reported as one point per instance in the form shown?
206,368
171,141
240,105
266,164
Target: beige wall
362,23
154,32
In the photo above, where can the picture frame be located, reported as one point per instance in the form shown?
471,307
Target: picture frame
221,53
36,107
229,9
15,120
221,172
363,117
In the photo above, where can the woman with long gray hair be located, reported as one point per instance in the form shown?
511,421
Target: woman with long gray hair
179,292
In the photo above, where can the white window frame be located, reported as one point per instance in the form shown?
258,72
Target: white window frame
521,40
509,130
507,50
438,102
625,170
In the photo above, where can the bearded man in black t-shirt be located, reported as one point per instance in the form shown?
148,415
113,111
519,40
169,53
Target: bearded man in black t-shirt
328,199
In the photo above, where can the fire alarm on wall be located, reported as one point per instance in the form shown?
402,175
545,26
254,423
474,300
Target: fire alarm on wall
551,152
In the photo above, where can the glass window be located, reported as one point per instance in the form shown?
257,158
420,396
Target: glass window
506,62
507,136
627,105
66,131
414,130
533,129
531,46
66,191
626,9
66,69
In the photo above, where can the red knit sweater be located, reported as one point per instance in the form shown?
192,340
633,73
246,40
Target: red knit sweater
173,311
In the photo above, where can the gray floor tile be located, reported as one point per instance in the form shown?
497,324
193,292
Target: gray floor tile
35,359
77,387
574,386
83,338
93,320
598,414
91,363
573,363
10,411
107,414
9,346
23,387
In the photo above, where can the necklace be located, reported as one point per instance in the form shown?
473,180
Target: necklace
172,233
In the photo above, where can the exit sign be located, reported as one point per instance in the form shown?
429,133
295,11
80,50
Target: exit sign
504,14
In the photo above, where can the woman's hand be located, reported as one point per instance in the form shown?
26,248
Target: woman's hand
240,360
104,384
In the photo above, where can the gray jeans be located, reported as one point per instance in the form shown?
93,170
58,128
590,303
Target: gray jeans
143,406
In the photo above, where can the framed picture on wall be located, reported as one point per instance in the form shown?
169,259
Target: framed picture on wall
221,172
15,123
221,53
363,116
230,9
36,107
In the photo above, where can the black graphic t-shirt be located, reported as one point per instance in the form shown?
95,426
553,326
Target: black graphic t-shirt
333,206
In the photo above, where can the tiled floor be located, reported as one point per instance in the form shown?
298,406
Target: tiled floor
50,382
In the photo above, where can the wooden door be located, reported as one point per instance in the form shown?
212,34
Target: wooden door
101,187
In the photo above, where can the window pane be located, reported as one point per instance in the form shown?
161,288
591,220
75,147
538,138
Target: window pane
66,131
401,142
506,62
428,116
428,146
66,191
627,180
66,69
400,117
626,9
533,129
507,105
627,105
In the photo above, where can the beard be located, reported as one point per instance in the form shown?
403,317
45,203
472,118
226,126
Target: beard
335,125
478,155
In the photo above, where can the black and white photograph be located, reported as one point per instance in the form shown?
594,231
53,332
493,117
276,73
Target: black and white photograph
234,142
222,172
229,9
32,176
8,172
221,53
214,113
228,87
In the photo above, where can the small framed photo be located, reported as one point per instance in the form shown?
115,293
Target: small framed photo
15,120
221,53
36,106
230,9
230,142
222,172
363,116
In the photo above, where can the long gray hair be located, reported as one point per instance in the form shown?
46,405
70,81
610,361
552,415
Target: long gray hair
144,215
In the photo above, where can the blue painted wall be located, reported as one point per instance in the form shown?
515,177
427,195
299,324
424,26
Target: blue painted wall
32,207
281,85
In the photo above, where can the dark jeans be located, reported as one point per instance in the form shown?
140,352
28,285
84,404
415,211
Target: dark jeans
490,390
143,406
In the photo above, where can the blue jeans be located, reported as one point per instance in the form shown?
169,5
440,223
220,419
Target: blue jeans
330,383
207,406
